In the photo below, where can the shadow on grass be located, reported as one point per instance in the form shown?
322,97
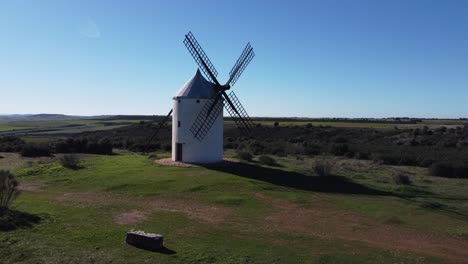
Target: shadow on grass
295,180
327,184
11,220
163,250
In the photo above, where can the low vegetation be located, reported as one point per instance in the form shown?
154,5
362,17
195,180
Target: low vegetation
267,160
35,150
245,155
224,214
8,190
449,169
322,167
71,161
402,178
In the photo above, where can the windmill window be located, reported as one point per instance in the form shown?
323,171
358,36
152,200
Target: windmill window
178,101
178,123
198,101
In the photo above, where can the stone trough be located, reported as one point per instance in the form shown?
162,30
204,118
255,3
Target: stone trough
148,241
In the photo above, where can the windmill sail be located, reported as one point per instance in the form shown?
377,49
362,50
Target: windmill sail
214,106
201,58
207,116
161,125
243,121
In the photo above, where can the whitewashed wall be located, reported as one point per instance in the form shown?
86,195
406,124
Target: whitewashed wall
210,149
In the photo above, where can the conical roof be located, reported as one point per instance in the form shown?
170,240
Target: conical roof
196,87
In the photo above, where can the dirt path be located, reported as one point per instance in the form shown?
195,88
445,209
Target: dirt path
328,223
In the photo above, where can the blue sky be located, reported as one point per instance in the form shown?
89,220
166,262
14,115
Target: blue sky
348,58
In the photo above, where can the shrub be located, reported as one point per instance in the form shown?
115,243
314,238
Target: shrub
256,147
8,189
276,124
442,169
267,160
449,170
10,144
322,168
244,155
70,161
312,149
402,178
167,147
35,150
339,149
84,145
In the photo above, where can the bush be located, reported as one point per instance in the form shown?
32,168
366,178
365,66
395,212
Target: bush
322,168
35,150
70,161
339,149
441,169
244,155
84,145
402,178
267,160
167,147
449,170
8,189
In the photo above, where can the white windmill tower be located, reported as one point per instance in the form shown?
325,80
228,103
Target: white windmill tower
197,113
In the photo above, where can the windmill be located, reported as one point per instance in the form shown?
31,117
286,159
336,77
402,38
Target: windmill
197,113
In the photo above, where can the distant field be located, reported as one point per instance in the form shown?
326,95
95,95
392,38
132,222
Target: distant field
324,123
10,127
446,122
71,126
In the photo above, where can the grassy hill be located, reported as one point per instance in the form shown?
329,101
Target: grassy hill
235,213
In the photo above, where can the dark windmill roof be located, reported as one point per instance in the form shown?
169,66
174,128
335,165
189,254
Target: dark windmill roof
196,87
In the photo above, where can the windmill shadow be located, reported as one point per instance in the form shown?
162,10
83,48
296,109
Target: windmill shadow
328,184
295,180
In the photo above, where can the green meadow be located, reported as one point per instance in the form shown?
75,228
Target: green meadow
238,212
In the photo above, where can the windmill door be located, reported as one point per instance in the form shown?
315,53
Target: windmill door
178,151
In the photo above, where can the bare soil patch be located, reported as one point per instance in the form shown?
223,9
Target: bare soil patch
207,213
86,199
325,222
170,162
14,160
194,209
131,217
31,186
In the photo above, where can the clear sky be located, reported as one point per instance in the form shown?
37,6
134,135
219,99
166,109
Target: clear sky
347,58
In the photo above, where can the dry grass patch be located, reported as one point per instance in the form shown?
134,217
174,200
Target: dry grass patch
325,222
131,217
194,209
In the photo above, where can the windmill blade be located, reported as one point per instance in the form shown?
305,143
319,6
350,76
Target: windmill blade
207,116
161,125
241,63
237,112
201,58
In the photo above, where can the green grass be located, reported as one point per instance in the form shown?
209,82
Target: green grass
78,209
10,127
